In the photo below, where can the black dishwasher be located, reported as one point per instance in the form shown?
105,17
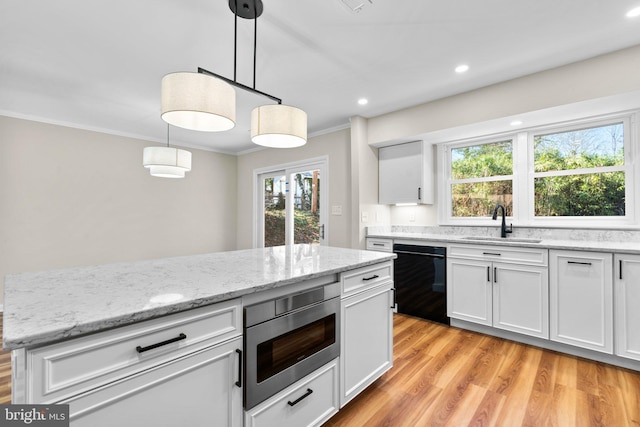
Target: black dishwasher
420,276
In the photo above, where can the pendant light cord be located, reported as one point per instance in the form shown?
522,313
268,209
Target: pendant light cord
255,39
235,43
167,135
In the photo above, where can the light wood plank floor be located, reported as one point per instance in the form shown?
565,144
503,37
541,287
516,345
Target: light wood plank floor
450,377
5,373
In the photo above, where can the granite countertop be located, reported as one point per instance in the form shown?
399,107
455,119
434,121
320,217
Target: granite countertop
50,306
544,242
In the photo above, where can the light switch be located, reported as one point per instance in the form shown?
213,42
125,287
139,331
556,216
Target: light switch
336,210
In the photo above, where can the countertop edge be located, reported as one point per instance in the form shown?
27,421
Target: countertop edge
56,335
581,245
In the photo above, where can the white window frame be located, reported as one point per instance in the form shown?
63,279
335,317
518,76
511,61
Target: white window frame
523,176
287,169
444,158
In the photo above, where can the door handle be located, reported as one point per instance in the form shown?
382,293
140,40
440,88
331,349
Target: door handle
295,402
180,337
322,231
239,382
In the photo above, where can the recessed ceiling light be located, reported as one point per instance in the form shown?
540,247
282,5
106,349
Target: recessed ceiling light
516,123
633,12
363,101
462,68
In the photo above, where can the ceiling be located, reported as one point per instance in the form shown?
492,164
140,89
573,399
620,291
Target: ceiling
98,65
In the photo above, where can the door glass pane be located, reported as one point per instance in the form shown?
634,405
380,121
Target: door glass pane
306,207
274,190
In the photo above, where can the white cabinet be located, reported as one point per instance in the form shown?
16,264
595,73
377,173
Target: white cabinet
366,337
581,299
469,290
195,390
381,245
405,173
627,306
172,370
506,288
309,402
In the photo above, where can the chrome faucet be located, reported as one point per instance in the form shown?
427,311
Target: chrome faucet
503,228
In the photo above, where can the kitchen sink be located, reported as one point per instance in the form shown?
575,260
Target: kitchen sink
502,239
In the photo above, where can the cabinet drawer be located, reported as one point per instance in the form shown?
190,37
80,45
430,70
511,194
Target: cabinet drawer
71,367
309,402
365,277
382,245
531,256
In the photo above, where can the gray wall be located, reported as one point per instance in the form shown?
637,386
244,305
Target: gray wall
72,197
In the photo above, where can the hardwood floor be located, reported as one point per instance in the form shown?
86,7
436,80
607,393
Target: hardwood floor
5,373
450,377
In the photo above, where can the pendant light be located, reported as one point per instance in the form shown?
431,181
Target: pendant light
278,126
198,102
166,162
206,100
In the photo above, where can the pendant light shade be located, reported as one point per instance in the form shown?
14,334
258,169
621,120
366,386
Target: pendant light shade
198,101
278,126
166,162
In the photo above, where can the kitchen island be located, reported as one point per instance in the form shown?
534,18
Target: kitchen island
74,331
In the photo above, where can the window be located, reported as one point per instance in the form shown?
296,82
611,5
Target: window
481,177
291,204
578,174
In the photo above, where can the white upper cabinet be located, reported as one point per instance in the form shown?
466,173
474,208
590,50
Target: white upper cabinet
405,174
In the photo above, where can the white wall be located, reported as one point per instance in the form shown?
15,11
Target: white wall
72,197
335,145
597,77
571,85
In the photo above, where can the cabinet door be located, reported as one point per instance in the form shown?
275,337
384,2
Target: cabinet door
627,306
366,339
521,299
469,293
195,390
405,172
581,299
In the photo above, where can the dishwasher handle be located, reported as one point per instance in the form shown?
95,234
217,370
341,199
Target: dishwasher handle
419,253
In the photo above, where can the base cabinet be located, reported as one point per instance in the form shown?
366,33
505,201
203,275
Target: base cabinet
195,390
366,339
627,306
581,299
309,402
513,296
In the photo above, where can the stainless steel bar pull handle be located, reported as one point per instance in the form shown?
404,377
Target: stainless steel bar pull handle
495,275
393,303
491,253
375,276
239,382
419,193
180,337
579,263
488,274
295,402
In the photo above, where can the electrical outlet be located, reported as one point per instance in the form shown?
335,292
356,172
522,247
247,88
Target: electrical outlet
412,215
365,216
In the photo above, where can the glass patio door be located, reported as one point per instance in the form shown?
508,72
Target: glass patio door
291,206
